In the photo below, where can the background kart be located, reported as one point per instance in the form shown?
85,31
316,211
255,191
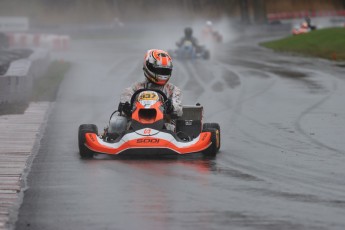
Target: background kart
212,36
188,51
147,132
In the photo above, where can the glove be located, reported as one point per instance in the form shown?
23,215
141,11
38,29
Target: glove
168,106
125,108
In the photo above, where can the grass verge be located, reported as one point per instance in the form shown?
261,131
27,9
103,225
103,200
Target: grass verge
46,87
325,43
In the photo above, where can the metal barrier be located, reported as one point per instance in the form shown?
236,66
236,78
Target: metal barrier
17,82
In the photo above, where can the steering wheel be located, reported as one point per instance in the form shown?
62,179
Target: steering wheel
160,92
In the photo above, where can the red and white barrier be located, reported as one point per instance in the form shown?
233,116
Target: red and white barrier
303,14
48,41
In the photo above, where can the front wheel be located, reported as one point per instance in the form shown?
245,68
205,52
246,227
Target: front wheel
206,55
83,129
213,126
212,150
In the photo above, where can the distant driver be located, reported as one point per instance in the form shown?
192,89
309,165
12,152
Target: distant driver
188,37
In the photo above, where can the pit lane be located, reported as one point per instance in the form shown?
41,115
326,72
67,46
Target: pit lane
281,164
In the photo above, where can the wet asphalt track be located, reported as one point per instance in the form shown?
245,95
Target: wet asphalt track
281,164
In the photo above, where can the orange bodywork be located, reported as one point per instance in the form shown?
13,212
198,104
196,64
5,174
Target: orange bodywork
148,111
300,31
94,143
147,120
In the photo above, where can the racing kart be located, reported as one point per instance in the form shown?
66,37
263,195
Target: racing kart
188,51
303,28
211,36
217,37
300,30
146,132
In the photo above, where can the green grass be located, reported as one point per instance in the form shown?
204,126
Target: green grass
324,43
46,87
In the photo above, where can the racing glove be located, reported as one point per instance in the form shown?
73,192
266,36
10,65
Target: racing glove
125,108
168,106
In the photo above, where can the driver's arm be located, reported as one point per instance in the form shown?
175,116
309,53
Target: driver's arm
179,43
176,99
128,92
195,43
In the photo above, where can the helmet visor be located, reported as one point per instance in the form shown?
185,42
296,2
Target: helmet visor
159,70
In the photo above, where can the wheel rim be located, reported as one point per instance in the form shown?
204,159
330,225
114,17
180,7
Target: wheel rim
217,139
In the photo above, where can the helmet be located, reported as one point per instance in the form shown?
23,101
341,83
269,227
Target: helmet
157,66
304,25
188,32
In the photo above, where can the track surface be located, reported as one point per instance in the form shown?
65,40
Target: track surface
281,164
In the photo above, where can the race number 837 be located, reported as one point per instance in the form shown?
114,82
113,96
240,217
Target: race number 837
148,96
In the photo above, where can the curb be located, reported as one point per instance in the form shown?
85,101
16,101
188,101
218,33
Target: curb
20,136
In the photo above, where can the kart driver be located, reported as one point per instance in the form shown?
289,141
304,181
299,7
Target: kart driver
157,68
207,31
188,36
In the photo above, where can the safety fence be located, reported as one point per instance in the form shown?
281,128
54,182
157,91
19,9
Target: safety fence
18,75
304,14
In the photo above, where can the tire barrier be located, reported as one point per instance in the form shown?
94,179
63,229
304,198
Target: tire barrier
302,14
47,41
16,82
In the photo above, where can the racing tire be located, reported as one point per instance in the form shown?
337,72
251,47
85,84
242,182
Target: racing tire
212,150
216,126
85,152
206,55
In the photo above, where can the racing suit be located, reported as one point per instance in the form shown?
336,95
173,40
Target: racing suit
118,124
207,33
171,91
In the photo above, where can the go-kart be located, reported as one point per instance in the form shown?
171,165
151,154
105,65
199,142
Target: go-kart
303,28
188,51
146,132
217,37
300,30
211,36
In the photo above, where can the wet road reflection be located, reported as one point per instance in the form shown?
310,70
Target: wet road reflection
281,164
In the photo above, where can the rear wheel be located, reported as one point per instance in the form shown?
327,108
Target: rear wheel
206,55
83,129
213,126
